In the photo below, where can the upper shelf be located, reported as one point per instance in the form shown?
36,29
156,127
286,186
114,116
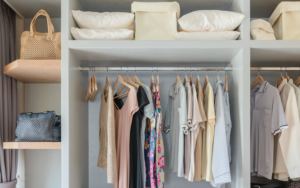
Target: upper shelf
34,71
155,51
31,145
28,8
186,6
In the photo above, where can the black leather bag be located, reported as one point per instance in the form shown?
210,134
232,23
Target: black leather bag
36,127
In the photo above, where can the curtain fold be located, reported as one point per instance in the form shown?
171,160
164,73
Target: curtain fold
8,98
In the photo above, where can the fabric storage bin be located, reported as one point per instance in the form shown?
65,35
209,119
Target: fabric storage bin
261,30
285,21
155,21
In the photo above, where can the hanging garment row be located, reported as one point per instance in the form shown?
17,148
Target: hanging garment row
195,131
275,128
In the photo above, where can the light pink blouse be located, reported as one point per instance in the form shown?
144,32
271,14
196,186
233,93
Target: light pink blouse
123,119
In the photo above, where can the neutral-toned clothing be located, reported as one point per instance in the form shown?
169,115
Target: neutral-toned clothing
187,137
297,93
107,152
220,161
267,119
198,149
287,163
194,131
148,113
176,123
208,134
123,119
228,122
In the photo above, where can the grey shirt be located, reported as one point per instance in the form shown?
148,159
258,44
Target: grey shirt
267,119
175,124
148,113
228,122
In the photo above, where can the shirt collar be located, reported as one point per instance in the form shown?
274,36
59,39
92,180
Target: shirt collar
282,84
218,83
173,91
291,81
260,87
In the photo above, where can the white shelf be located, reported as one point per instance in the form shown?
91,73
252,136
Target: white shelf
156,51
275,44
28,8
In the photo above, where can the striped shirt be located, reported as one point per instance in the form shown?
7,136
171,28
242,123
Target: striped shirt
220,160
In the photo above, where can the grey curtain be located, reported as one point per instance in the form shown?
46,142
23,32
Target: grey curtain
8,98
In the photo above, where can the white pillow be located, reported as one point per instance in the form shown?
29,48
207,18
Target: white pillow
102,34
207,35
210,20
105,20
261,30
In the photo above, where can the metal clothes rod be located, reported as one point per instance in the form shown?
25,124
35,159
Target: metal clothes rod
275,68
154,69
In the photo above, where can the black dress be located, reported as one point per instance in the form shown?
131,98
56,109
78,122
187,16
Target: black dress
135,175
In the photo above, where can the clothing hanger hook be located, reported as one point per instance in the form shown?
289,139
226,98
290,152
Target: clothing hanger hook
157,71
185,71
206,72
191,71
218,71
120,69
135,72
286,71
152,71
197,71
178,71
281,71
258,71
127,71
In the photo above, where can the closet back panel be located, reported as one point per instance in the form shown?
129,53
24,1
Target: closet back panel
42,167
97,176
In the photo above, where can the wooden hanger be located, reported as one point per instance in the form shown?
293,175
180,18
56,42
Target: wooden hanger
281,78
185,78
286,76
135,79
218,78
107,83
120,80
226,83
177,79
257,80
89,90
206,81
298,80
198,77
95,88
191,78
152,80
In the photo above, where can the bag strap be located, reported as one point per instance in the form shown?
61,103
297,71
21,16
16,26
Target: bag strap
49,24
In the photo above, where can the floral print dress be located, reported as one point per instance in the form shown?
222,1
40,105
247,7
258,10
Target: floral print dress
160,154
154,149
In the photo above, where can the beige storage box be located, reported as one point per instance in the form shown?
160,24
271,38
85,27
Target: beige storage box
261,30
155,20
285,21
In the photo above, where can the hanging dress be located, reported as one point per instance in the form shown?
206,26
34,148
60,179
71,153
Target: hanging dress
150,147
160,153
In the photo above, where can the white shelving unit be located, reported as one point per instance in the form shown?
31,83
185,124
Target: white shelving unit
79,146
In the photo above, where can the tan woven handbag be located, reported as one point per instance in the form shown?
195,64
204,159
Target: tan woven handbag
39,46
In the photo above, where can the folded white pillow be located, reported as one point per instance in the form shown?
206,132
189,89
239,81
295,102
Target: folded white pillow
210,20
207,35
104,20
102,34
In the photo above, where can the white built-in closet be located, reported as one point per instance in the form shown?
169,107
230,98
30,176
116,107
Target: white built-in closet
77,163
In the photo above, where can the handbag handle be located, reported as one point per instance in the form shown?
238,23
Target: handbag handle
49,24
